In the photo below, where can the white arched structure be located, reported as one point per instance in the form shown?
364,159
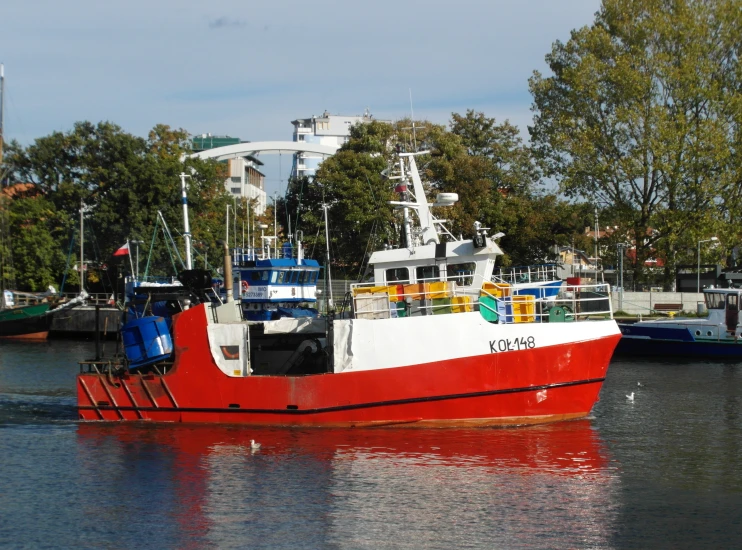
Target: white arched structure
252,147
237,155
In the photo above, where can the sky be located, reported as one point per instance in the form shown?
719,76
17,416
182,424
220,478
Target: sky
247,68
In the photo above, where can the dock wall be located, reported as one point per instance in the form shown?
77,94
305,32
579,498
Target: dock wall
81,320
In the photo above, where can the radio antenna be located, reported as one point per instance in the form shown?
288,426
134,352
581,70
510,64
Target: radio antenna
412,114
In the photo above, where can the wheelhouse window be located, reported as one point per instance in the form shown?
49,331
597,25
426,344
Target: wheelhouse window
255,276
427,273
732,301
398,274
715,300
281,277
463,273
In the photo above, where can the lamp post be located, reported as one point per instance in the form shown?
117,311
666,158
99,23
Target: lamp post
698,283
621,252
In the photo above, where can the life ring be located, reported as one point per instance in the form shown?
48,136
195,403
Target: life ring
244,285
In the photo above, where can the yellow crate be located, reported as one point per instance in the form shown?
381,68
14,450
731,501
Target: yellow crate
396,293
370,290
417,291
498,290
460,304
524,309
441,289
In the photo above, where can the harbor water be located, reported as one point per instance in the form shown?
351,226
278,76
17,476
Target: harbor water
661,471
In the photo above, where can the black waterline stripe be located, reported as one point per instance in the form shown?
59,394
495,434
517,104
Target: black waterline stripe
346,407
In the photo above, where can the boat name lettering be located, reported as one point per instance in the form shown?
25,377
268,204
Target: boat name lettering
506,344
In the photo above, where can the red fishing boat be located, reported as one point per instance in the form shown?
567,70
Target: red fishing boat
434,340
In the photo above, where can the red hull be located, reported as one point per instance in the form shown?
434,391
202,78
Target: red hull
524,387
571,448
36,336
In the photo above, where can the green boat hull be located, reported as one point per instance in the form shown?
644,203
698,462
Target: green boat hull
30,322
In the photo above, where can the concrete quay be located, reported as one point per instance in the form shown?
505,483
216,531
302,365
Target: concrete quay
80,321
643,303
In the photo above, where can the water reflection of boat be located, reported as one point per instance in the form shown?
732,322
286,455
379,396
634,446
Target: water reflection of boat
334,485
568,448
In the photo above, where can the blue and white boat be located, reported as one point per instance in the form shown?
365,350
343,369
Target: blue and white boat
272,288
540,281
714,336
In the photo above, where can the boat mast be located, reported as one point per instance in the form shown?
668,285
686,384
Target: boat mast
82,246
406,221
2,109
329,275
2,227
186,226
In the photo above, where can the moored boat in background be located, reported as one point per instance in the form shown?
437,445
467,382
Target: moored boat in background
24,315
717,335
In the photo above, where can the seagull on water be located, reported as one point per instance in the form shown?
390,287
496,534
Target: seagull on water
630,397
639,384
254,446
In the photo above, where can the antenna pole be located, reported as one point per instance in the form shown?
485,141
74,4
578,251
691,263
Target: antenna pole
412,114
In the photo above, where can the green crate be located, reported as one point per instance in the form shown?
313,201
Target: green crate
488,308
442,306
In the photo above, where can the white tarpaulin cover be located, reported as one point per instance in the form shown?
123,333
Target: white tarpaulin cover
228,345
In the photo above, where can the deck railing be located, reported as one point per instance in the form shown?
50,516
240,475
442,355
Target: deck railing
496,302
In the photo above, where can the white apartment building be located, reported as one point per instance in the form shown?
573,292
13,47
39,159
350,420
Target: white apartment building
325,130
245,178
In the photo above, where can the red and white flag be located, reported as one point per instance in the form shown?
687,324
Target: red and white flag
123,251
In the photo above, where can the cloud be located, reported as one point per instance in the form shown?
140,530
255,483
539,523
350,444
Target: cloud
225,21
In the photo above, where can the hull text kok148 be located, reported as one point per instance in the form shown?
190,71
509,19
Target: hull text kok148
433,341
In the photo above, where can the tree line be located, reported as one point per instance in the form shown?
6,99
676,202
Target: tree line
637,120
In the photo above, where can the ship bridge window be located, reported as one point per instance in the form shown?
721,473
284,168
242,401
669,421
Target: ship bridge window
304,277
294,277
398,274
427,272
732,301
281,277
463,274
274,276
714,300
255,275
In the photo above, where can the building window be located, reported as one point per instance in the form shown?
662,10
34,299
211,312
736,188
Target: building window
426,273
399,274
235,190
463,274
301,137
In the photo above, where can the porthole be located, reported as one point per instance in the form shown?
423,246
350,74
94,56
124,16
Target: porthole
698,333
708,333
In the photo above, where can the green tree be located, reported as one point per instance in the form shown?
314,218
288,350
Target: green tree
123,180
638,115
351,184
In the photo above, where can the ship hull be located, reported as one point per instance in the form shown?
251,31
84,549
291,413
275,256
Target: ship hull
25,323
694,339
524,386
